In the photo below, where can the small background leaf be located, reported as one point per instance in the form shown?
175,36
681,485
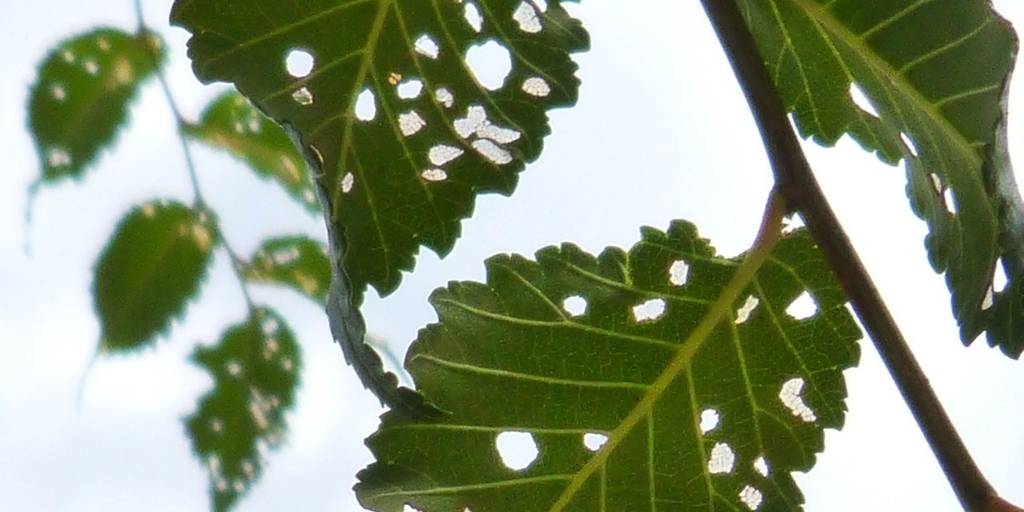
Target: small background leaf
560,351
231,123
297,262
255,369
149,270
81,97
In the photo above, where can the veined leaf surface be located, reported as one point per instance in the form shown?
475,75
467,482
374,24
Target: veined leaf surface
255,369
296,262
81,98
231,123
644,380
149,270
936,73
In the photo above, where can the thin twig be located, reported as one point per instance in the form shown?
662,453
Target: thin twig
237,263
795,180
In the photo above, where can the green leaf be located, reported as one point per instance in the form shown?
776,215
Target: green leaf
255,369
81,97
937,74
402,123
149,270
231,123
701,402
296,262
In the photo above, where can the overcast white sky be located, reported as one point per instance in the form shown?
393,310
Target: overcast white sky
661,132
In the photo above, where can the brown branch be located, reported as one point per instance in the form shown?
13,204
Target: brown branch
795,180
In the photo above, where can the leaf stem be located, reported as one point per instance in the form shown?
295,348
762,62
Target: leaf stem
795,180
180,125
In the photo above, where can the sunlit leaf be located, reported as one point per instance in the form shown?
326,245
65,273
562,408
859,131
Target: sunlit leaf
628,381
297,262
148,272
936,73
231,123
81,98
255,369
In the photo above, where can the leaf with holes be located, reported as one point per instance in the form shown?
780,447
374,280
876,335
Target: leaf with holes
407,108
930,79
81,97
296,262
231,123
149,271
255,369
665,377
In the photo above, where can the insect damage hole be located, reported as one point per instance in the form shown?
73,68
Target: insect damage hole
409,508
999,279
751,497
802,307
490,63
536,86
303,97
761,466
950,199
679,273
410,89
861,99
649,311
366,106
427,47
909,143
593,441
410,123
472,15
575,305
441,154
790,396
517,449
748,307
709,420
722,459
299,63
526,16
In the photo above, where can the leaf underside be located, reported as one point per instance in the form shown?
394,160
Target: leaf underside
402,127
255,369
81,97
297,262
936,72
231,123
149,270
568,347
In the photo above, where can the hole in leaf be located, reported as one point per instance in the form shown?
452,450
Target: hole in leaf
475,118
594,442
649,311
410,89
792,223
517,449
861,99
988,300
936,183
748,307
575,305
709,419
58,92
472,15
751,497
536,86
216,425
68,56
909,143
761,466
441,154
526,16
722,459
790,396
426,46
410,508
497,133
950,200
999,279
303,97
58,157
802,307
679,273
490,63
434,175
91,67
410,123
445,97
234,368
299,63
366,106
347,182
492,151
270,325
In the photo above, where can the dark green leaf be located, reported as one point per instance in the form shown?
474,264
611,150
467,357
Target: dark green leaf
231,123
81,97
255,370
937,74
297,262
149,271
702,402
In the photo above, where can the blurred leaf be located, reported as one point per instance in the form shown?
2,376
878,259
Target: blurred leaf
406,112
81,98
936,73
231,123
701,395
149,270
296,262
255,369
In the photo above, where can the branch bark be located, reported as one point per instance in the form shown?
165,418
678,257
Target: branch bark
796,182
